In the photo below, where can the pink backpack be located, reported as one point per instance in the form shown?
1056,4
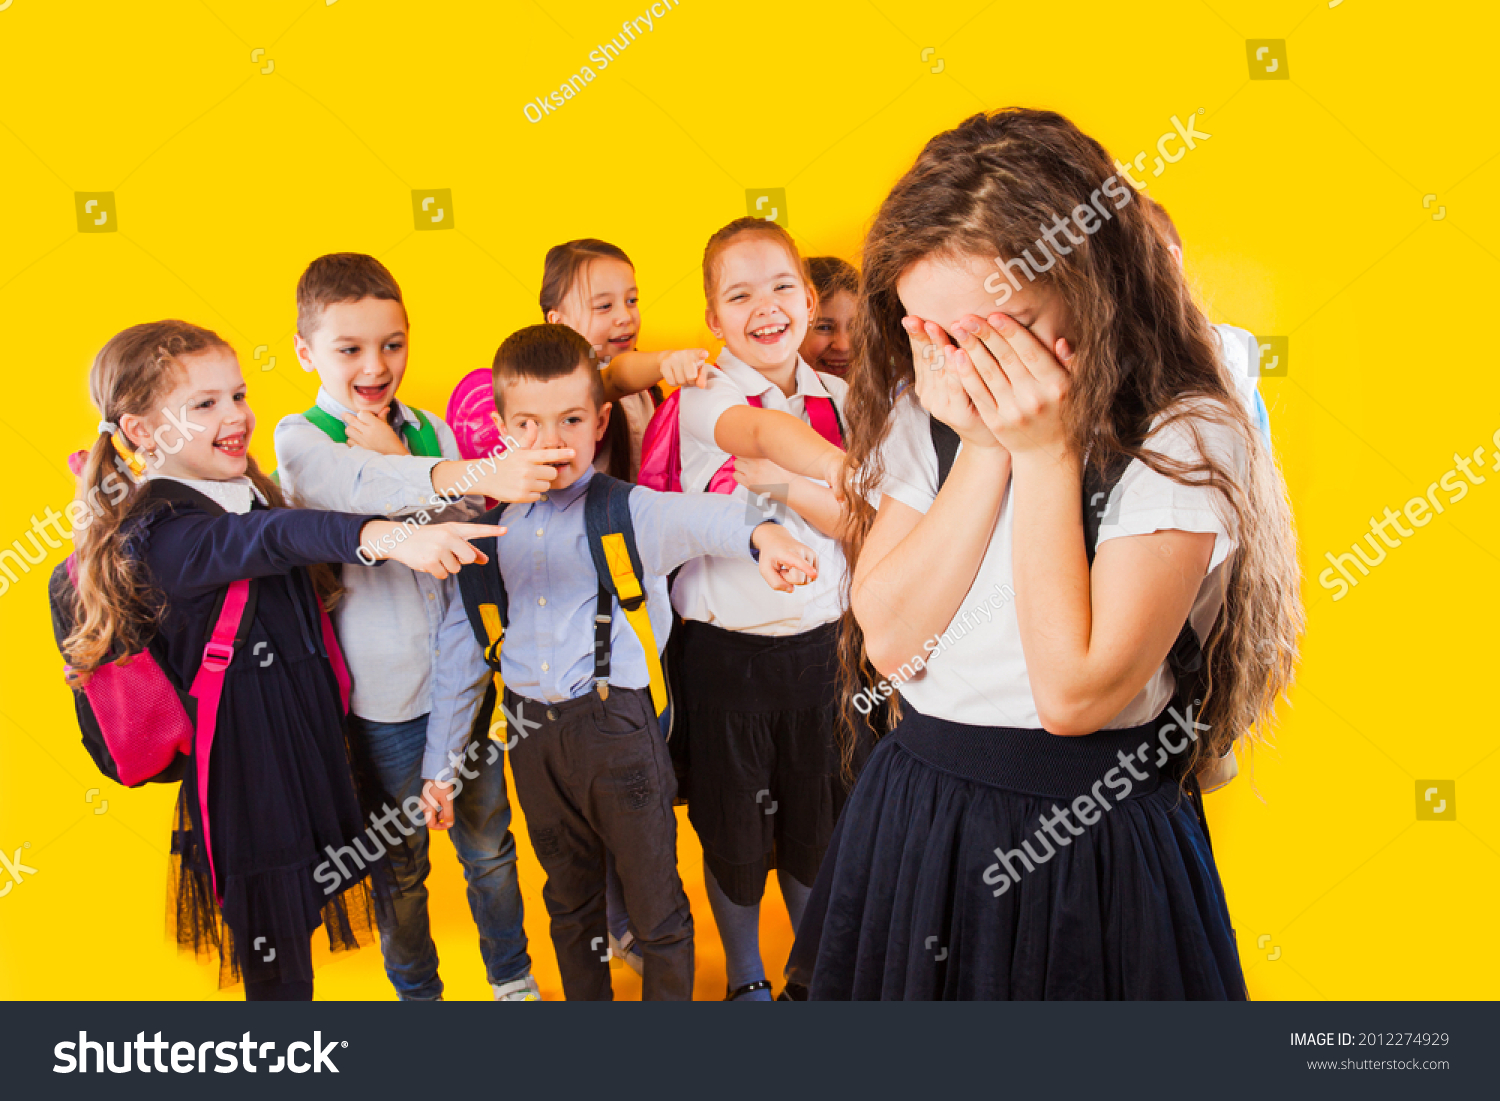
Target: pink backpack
470,416
661,447
135,721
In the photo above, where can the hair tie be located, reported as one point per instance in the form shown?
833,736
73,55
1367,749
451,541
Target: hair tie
108,428
131,459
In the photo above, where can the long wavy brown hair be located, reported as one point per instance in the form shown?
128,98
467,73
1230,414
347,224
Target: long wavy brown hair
116,608
1145,355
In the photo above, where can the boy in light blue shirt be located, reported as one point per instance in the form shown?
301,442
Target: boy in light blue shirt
590,765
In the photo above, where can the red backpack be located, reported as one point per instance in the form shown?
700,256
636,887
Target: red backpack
661,446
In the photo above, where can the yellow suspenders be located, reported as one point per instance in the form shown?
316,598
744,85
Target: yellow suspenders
490,613
632,602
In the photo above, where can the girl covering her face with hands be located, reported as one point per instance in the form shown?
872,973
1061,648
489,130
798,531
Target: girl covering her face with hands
1043,415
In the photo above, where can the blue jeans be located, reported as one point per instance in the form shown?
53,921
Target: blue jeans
482,838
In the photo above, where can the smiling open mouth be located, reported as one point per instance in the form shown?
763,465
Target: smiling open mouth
233,446
769,334
372,393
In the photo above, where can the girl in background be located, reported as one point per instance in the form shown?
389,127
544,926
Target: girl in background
280,794
829,343
758,676
589,286
1033,828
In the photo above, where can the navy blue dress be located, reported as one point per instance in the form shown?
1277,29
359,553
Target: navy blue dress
281,792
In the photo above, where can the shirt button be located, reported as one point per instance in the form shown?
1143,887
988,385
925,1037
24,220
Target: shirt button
545,667
542,600
538,533
431,596
544,497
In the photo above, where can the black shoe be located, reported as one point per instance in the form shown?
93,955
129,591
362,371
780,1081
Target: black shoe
748,988
792,992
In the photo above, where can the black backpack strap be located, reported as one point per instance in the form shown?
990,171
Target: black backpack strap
480,585
945,443
1185,659
608,524
607,510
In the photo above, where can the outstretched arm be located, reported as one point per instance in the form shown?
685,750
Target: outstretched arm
900,596
632,372
751,433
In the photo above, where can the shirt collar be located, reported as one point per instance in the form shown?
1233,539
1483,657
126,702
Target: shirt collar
235,495
329,404
754,384
562,499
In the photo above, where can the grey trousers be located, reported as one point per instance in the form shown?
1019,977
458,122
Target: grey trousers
593,775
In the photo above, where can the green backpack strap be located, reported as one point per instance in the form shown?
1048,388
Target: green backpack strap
421,438
332,427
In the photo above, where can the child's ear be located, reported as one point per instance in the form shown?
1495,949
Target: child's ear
304,352
602,423
553,318
712,320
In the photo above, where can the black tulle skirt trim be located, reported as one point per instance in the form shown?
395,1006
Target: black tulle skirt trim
282,910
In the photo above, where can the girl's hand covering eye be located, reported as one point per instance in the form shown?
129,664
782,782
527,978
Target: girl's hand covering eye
938,386
1016,384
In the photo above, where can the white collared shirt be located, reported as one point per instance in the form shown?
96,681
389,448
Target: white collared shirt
977,672
234,495
732,594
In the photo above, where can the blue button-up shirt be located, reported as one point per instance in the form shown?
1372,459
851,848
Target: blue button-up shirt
389,615
553,594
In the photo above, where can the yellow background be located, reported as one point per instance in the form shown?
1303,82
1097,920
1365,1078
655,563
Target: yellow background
1303,216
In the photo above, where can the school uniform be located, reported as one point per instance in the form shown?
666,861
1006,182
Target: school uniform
914,901
388,621
281,795
592,773
759,671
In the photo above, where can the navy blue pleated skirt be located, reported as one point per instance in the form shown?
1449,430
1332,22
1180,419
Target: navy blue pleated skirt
989,863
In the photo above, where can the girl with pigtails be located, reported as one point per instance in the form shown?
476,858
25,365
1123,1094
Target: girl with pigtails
270,798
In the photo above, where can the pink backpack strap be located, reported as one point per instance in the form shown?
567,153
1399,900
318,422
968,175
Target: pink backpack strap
824,419
336,657
208,686
661,457
723,479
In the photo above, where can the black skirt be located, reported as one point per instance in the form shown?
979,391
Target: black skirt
943,881
766,781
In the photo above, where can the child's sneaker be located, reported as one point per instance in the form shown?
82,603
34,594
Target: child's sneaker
627,951
517,990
